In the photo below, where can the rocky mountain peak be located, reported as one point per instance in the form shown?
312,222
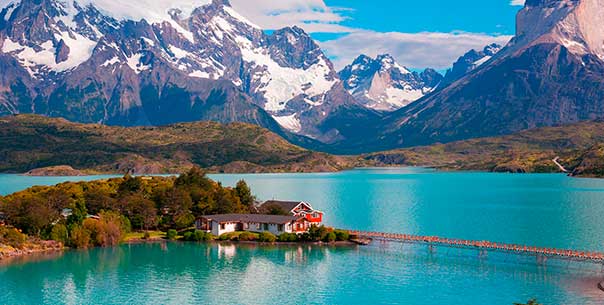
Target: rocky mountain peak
574,24
382,84
470,61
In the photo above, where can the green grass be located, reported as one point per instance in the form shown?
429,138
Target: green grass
139,235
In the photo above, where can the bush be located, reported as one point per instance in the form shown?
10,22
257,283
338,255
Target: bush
342,235
288,237
247,236
329,237
12,237
198,235
59,233
171,235
80,237
146,235
267,237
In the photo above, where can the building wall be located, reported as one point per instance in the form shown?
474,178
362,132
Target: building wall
272,228
218,229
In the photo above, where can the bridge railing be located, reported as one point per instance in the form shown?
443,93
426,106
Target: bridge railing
483,245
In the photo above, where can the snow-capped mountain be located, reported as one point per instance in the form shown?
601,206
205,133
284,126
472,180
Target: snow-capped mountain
382,84
550,73
149,63
470,61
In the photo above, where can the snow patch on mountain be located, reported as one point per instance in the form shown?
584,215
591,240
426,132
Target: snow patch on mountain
289,122
382,84
45,57
280,84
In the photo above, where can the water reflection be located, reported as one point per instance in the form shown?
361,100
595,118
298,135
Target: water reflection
185,273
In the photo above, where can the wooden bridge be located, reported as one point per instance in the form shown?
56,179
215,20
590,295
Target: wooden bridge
542,254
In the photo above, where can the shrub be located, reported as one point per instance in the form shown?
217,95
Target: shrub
80,237
12,237
342,235
59,233
188,236
247,236
288,237
225,237
146,235
329,237
267,237
317,233
199,235
171,235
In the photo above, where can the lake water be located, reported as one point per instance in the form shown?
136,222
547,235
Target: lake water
540,210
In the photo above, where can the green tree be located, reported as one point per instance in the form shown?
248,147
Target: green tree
79,237
98,199
78,213
329,237
59,233
175,205
244,193
32,213
130,185
140,211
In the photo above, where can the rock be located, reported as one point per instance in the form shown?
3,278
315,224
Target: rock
60,170
62,52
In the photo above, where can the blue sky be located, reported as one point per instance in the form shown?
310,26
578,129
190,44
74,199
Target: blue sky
418,33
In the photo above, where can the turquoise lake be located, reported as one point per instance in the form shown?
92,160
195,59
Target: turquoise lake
539,210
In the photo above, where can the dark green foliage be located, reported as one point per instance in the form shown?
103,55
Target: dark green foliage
288,237
198,235
244,193
142,203
317,233
172,234
267,237
342,235
329,237
59,233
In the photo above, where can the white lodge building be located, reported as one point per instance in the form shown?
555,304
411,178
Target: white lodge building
275,224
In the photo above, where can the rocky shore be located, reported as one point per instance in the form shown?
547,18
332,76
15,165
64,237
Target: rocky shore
30,248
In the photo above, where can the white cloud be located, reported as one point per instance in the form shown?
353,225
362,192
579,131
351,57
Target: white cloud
517,2
312,15
414,50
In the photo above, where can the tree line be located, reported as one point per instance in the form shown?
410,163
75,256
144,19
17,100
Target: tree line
99,213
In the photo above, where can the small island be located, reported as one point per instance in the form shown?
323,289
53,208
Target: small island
190,207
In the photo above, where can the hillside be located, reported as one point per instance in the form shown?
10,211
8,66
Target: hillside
580,148
29,141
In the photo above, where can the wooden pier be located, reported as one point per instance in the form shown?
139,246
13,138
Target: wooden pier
542,254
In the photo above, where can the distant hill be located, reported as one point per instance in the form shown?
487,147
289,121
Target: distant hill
580,148
29,142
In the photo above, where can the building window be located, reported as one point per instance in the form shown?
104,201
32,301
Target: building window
257,226
315,215
222,226
265,227
280,228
